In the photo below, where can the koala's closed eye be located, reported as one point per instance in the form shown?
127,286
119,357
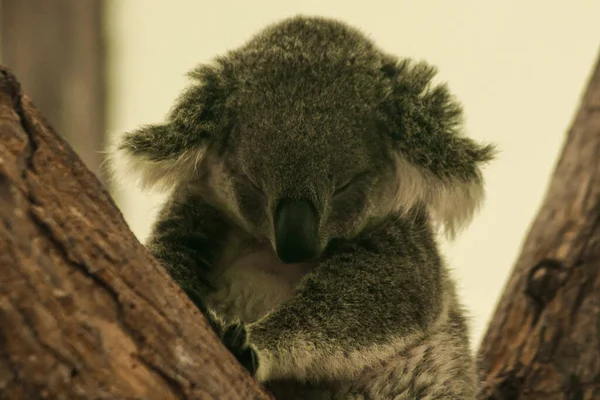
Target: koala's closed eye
349,184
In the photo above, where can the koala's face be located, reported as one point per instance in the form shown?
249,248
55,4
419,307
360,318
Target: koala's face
306,164
309,133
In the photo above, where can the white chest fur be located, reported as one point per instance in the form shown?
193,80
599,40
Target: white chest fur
251,280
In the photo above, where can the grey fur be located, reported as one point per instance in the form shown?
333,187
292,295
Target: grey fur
306,107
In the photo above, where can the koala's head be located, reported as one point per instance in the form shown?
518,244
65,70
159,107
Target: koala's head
310,133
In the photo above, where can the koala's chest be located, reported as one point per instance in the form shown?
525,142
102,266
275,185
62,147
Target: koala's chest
251,281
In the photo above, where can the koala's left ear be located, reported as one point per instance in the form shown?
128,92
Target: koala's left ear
436,164
165,154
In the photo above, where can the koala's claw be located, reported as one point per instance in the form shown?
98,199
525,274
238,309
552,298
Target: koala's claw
235,339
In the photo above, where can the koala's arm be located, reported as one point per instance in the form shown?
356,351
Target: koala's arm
362,304
185,240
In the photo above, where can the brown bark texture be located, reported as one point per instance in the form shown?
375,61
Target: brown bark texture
85,311
543,341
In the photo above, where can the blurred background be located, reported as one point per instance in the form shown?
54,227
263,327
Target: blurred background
97,69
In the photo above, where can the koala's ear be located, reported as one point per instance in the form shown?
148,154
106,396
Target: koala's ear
436,164
163,155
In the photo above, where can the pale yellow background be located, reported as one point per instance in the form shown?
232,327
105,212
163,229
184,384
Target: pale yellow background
518,67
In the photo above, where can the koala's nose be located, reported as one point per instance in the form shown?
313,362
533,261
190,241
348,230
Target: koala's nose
295,230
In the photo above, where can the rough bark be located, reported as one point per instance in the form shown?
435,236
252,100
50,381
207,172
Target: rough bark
544,339
57,49
85,312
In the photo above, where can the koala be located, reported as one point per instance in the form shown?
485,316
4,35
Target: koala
309,173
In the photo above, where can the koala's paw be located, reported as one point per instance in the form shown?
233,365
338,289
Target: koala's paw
235,339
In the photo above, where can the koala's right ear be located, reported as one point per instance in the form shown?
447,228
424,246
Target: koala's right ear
163,155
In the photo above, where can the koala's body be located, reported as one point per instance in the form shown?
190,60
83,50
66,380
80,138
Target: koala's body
309,172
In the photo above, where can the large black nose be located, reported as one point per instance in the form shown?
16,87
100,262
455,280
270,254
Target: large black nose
295,230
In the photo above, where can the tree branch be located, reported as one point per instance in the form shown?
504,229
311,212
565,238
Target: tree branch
85,312
544,339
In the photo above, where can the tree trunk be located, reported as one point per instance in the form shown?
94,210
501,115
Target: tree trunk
85,312
57,49
544,339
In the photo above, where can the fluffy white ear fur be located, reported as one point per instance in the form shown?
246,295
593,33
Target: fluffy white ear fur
125,166
452,203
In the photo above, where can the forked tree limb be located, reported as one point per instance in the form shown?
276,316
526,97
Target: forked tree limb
85,311
544,339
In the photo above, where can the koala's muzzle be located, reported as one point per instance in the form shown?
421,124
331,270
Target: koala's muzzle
295,231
